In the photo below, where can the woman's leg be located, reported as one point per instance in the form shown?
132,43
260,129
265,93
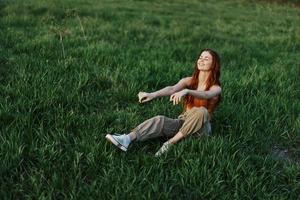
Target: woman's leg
194,121
157,126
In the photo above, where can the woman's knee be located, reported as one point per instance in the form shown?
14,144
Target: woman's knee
195,120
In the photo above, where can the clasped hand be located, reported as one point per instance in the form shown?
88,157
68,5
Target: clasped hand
177,97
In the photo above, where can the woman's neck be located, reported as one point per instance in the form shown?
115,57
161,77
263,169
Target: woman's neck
203,75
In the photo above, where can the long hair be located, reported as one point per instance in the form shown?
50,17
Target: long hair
213,79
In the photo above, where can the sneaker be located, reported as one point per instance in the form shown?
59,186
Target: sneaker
118,140
165,147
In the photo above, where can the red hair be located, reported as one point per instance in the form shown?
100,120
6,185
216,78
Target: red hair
213,79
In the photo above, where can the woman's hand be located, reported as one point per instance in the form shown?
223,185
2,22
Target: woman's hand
177,97
144,97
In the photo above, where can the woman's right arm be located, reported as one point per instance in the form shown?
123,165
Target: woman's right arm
167,91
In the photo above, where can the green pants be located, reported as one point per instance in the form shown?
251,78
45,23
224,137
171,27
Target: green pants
193,121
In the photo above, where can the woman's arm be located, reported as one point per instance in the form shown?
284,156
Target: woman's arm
213,91
167,91
183,83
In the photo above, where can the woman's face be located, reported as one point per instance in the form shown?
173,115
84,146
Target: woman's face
205,61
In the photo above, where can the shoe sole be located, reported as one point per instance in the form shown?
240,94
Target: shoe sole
115,142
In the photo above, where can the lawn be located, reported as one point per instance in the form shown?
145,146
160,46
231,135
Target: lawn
70,72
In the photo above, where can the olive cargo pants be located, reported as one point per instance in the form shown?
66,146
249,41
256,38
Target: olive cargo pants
193,121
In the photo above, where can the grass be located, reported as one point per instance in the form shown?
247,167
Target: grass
71,71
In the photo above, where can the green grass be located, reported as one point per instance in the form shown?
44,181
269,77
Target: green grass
70,72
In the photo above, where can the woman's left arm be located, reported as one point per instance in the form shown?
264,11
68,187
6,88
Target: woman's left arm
213,91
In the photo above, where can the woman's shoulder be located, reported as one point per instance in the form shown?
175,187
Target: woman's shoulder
216,90
187,80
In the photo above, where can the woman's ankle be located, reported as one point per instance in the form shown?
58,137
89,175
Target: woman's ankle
132,136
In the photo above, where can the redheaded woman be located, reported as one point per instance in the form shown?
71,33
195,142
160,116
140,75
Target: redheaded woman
201,93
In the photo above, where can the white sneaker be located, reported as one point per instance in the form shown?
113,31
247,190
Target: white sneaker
118,140
165,147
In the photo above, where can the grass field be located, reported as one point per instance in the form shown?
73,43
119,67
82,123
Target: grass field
70,72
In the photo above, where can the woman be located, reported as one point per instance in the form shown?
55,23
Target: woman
201,93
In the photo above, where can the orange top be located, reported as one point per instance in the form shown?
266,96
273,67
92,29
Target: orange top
198,103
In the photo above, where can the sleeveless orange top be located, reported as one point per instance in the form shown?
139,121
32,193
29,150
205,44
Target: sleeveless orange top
198,103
